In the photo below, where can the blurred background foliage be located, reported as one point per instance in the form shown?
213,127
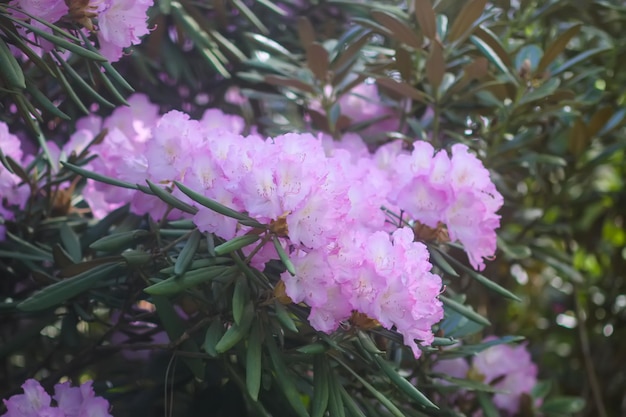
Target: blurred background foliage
536,88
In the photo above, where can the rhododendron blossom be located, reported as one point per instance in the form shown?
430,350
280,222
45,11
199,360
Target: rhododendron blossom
120,24
70,402
321,198
12,192
509,369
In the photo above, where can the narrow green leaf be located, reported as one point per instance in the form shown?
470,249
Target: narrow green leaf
466,19
45,102
349,403
249,14
71,242
377,394
562,405
29,247
487,406
97,177
464,310
284,318
235,244
313,349
284,380
493,57
320,386
119,241
482,279
60,42
241,297
80,81
335,400
59,292
177,284
403,384
198,263
253,362
10,70
212,336
425,16
400,30
107,66
214,205
235,332
186,255
284,258
440,261
557,47
582,57
174,326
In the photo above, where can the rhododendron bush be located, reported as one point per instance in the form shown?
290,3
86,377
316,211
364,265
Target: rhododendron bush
275,208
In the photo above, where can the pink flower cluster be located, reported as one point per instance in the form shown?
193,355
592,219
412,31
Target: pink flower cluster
120,22
322,199
457,191
507,368
13,194
70,402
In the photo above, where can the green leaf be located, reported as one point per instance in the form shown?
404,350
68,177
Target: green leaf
283,256
235,244
97,177
175,329
253,362
59,292
321,389
236,332
464,310
241,297
562,405
80,81
187,254
377,394
177,284
493,57
440,261
466,19
425,16
71,242
284,317
60,42
284,379
217,207
10,70
400,30
513,251
582,57
403,384
543,91
482,279
119,241
212,336
335,400
198,263
317,61
487,406
467,384
558,46
349,403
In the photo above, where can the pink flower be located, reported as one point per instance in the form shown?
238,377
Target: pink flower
362,105
12,194
120,24
512,366
71,402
